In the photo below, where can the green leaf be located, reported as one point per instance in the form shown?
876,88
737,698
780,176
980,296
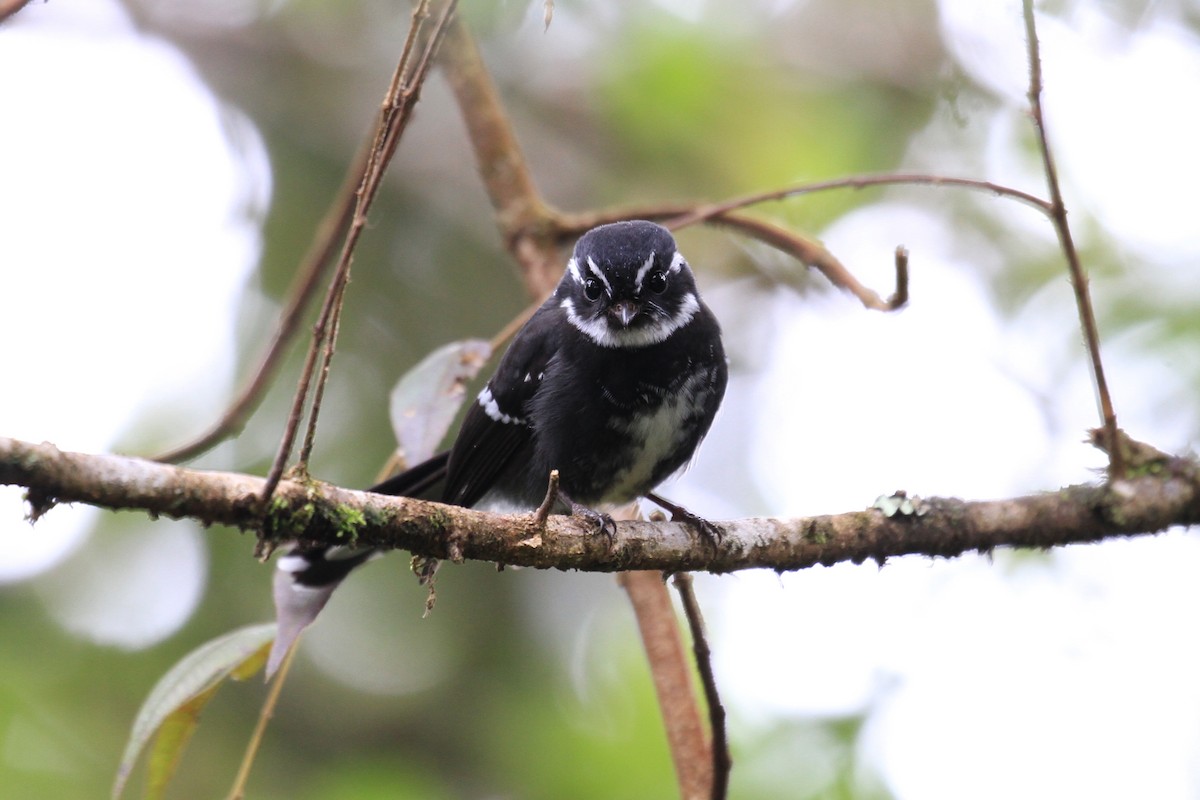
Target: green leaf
424,401
171,711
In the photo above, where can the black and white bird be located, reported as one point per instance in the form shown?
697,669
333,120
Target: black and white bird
613,382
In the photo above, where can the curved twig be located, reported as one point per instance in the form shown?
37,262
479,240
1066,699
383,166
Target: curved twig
706,212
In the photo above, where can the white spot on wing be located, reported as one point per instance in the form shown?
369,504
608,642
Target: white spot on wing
490,407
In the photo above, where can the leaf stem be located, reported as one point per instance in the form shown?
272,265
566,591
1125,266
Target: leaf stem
238,791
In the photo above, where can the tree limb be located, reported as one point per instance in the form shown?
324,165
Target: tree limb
672,678
1153,498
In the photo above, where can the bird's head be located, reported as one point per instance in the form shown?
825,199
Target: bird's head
627,286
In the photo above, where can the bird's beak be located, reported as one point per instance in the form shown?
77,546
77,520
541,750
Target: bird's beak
625,311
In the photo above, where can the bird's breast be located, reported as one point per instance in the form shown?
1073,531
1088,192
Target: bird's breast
654,438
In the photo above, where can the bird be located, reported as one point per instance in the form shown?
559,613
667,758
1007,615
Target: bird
613,382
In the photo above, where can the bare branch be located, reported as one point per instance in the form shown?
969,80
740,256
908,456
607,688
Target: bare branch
1165,493
402,96
705,212
672,682
721,761
813,254
1058,214
10,7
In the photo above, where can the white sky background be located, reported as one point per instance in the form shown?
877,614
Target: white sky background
127,195
1071,674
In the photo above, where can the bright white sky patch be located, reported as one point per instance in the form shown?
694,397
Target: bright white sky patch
1065,675
129,201
1120,108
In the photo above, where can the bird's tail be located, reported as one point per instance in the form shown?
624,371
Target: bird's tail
306,576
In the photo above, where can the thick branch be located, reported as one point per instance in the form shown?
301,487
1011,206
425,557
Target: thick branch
1168,494
672,682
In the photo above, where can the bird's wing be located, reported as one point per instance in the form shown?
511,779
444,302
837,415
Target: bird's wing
496,429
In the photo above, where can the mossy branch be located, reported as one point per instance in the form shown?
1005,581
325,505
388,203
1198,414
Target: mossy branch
1148,501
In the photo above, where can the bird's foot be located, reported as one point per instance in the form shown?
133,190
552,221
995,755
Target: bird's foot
708,531
604,523
555,496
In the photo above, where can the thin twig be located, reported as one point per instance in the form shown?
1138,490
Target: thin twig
10,7
722,763
899,297
310,435
680,215
706,212
814,254
238,791
1058,213
401,97
543,511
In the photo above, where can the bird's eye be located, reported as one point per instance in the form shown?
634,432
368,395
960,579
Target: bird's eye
592,289
657,281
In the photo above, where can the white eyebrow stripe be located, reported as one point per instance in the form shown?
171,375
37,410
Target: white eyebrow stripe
573,268
595,268
676,261
641,273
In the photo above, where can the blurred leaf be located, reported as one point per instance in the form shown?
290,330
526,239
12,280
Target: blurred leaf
425,400
172,709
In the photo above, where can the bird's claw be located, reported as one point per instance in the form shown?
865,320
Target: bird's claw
604,523
708,531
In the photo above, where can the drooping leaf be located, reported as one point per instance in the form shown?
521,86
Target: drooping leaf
424,401
172,709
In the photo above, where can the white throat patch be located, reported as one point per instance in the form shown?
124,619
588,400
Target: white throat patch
605,335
